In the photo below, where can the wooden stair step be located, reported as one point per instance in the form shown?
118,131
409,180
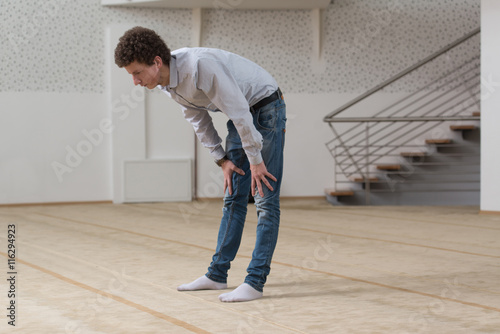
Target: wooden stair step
362,179
462,127
476,114
339,193
413,154
438,141
389,167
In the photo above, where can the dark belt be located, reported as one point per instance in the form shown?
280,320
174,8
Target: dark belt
265,101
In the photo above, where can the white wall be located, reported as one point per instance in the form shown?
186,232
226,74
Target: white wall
145,124
309,167
490,105
127,114
52,149
54,86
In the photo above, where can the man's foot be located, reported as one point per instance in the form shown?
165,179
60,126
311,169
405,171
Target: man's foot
202,283
243,293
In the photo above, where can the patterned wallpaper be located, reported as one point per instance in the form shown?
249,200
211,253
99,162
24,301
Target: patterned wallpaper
58,45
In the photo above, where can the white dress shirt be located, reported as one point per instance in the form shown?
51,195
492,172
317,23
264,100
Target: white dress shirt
203,80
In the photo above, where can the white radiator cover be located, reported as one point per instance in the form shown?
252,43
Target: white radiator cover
157,181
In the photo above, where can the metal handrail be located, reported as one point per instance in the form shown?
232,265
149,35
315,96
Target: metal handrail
358,149
329,117
411,120
411,103
408,119
410,96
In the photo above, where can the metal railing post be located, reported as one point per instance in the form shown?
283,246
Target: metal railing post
367,163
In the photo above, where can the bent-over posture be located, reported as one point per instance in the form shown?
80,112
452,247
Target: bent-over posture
202,81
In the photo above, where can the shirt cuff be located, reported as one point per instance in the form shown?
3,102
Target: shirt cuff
219,153
255,160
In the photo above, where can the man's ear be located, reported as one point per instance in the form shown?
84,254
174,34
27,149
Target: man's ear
158,61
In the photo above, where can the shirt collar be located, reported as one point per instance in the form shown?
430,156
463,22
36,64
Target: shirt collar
173,73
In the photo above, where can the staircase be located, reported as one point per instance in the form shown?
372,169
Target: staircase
421,149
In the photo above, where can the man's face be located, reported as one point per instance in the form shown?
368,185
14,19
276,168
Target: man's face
144,75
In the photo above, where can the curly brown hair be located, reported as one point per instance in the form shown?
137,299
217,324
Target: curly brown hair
141,45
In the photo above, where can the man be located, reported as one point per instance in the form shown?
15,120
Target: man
206,80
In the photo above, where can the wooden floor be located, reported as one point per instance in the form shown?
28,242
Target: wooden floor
105,268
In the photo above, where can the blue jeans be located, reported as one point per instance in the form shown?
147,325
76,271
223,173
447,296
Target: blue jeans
270,122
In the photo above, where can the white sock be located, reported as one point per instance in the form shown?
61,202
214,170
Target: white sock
243,293
202,283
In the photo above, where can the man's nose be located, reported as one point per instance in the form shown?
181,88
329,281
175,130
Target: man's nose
136,81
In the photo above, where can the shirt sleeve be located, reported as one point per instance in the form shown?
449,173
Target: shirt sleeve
217,82
205,130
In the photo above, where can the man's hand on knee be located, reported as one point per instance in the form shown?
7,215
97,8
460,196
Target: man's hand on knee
228,168
259,176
